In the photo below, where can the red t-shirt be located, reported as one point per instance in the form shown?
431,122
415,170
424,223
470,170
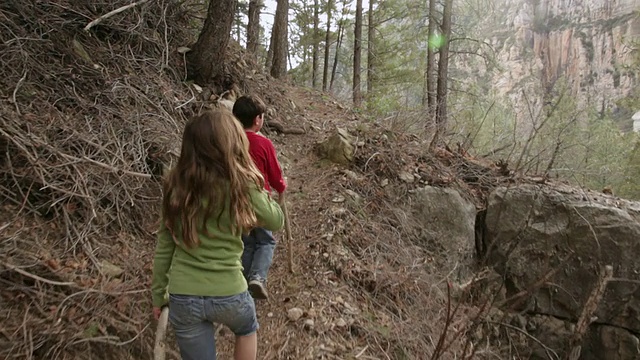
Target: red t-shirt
264,156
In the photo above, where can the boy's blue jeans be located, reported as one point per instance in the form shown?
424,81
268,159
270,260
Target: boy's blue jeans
259,245
192,318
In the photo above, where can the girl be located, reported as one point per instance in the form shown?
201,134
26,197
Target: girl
212,196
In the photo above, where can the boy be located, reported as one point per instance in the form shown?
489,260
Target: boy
259,244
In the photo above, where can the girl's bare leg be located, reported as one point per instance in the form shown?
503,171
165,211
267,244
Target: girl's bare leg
246,347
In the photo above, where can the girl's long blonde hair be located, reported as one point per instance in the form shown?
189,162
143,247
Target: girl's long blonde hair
214,169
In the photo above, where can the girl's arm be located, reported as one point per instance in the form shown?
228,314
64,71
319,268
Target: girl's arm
161,264
267,210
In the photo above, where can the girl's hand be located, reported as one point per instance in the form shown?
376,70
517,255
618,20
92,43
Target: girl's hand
156,312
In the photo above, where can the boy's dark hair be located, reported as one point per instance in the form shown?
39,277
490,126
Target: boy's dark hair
247,107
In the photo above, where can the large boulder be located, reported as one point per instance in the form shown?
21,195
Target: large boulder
533,231
447,223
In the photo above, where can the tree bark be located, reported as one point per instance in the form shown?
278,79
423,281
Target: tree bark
338,45
429,96
357,53
316,41
327,46
269,60
371,28
443,73
205,62
253,27
280,27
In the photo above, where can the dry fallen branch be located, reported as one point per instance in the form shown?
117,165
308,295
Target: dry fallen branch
590,307
36,277
111,13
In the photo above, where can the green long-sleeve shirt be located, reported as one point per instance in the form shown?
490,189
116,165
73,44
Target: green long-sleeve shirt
214,267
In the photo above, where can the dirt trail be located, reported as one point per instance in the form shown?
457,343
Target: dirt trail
312,287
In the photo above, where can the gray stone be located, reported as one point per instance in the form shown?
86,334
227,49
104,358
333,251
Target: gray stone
294,314
110,270
406,177
611,343
531,230
447,222
338,147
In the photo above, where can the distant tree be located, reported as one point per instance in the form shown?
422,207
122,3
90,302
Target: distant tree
443,74
429,98
316,43
327,48
269,59
279,42
206,59
357,54
241,8
371,31
253,26
341,26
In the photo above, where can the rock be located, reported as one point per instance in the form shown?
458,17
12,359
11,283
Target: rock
406,177
338,199
611,343
384,182
338,147
309,324
519,321
352,175
341,323
294,314
448,226
354,199
110,270
338,212
531,230
349,309
552,332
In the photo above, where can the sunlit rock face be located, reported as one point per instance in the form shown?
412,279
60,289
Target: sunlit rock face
585,45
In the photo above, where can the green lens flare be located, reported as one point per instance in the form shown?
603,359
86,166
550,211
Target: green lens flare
436,41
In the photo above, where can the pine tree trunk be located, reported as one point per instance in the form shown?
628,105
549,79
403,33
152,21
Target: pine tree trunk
253,27
443,73
338,45
269,60
429,96
280,44
357,53
238,21
205,61
370,51
327,45
316,40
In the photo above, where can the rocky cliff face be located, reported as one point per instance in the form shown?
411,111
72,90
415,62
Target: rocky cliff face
585,44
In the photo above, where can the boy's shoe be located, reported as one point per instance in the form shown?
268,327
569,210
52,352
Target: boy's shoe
258,290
